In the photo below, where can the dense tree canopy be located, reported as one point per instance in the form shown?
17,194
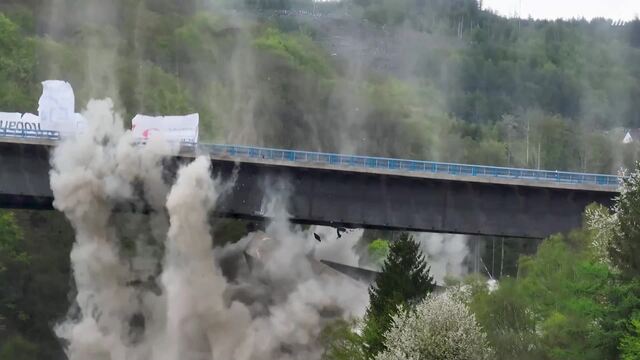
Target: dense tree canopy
17,67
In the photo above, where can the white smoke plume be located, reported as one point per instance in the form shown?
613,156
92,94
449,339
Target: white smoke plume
198,318
182,305
301,295
445,253
90,175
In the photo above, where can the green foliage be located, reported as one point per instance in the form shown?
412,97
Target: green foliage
486,152
341,342
227,231
418,13
615,239
155,92
510,326
378,251
554,136
298,50
563,68
13,264
10,241
18,348
388,118
203,40
21,15
387,12
618,231
625,242
564,305
630,344
404,280
17,68
34,250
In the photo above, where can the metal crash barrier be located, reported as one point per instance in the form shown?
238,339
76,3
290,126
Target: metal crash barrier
30,134
367,162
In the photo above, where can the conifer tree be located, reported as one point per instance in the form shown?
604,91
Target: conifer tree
404,280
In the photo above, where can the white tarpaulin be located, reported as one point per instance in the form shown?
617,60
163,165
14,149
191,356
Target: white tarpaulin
57,106
171,128
56,113
17,121
33,120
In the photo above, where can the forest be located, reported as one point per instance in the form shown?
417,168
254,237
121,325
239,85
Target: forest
442,80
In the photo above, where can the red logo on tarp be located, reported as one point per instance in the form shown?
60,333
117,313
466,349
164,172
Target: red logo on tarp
147,133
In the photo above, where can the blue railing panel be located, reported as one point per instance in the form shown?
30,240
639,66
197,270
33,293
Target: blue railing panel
427,166
30,134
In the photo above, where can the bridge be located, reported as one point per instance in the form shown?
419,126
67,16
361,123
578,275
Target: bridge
353,191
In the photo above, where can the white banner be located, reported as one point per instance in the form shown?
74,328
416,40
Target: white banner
33,120
17,121
171,128
10,120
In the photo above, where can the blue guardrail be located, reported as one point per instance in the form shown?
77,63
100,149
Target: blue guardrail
29,134
367,162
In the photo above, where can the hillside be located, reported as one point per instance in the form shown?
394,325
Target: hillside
439,80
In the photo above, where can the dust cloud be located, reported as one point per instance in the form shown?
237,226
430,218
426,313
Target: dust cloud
162,292
445,253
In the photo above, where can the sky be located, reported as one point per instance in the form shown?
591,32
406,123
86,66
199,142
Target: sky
554,9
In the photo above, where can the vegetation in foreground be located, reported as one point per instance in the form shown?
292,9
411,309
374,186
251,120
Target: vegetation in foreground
577,298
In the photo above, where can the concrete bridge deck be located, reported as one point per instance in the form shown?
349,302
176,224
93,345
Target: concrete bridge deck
352,191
